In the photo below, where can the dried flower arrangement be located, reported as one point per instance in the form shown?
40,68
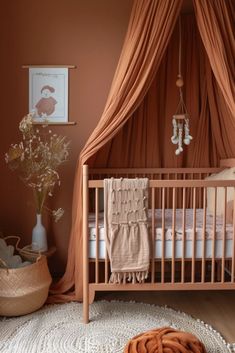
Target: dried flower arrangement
37,158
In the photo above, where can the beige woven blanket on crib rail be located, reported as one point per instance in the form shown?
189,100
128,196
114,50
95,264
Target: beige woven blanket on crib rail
126,228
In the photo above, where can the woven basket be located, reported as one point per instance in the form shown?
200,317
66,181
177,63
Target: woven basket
24,290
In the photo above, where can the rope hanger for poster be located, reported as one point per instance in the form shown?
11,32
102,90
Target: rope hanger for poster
180,119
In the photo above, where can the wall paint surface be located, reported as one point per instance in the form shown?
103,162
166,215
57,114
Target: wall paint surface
85,33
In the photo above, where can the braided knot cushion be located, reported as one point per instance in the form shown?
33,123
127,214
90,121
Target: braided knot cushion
165,340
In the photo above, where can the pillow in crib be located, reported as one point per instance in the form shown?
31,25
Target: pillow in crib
227,174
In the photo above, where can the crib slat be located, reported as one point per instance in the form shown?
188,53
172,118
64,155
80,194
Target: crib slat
97,234
233,256
194,236
153,236
224,236
160,194
191,191
200,193
163,237
106,266
213,238
168,193
183,238
204,237
173,239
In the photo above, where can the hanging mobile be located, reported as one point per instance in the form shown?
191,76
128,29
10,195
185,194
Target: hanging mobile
180,120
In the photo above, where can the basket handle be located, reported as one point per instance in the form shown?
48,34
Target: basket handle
14,237
26,250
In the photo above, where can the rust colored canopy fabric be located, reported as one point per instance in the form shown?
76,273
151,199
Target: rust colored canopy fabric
218,38
135,127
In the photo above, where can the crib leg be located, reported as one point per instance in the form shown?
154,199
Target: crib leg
86,310
91,295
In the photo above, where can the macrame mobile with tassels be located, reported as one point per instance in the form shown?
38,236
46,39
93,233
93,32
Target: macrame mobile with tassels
180,119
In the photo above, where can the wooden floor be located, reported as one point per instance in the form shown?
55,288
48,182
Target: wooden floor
216,308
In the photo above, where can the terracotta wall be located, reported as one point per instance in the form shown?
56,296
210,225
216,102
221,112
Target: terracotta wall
85,33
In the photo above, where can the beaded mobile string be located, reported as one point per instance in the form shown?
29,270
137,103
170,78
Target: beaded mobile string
180,119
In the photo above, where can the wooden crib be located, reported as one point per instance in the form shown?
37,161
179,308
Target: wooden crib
175,195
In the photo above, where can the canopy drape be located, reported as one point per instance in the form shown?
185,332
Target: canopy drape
150,27
145,141
216,30
136,118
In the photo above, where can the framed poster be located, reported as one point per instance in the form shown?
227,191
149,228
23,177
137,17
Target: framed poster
48,94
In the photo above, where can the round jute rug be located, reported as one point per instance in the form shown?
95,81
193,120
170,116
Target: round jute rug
59,328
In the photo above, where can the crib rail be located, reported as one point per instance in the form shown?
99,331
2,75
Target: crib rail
160,174
152,173
203,267
175,183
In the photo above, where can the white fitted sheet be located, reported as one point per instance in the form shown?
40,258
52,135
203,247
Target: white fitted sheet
178,249
178,235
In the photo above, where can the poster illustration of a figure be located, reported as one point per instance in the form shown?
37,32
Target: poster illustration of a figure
46,105
48,94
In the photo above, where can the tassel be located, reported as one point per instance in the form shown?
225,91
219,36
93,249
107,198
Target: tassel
180,148
124,277
187,137
174,138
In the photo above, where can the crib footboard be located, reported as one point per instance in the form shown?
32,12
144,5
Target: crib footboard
191,249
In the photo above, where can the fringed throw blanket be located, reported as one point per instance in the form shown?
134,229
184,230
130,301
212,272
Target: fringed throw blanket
126,228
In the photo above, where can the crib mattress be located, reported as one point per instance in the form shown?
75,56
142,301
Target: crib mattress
168,242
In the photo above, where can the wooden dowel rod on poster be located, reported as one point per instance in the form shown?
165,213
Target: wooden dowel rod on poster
49,66
55,123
